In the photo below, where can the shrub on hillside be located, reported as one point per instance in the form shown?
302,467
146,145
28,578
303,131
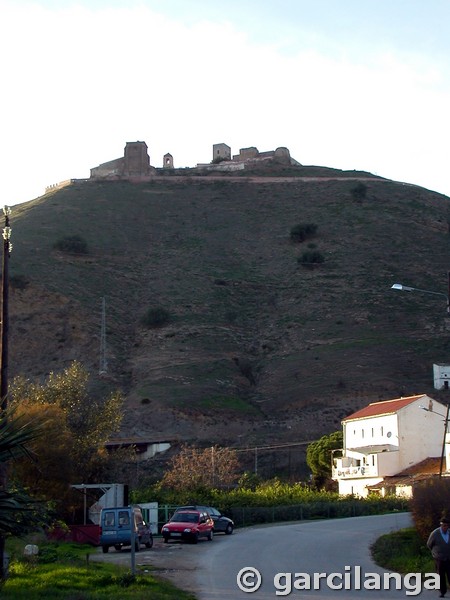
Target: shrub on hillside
73,244
430,502
359,191
156,316
302,231
18,282
311,257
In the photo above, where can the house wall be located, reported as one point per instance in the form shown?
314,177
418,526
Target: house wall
421,432
357,487
377,430
400,440
441,373
154,449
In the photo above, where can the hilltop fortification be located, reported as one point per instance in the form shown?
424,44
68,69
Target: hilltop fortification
135,165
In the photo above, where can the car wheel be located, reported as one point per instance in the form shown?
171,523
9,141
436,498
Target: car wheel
118,547
166,539
210,536
149,544
229,529
195,538
105,549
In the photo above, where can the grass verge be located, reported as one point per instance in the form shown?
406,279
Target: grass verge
64,572
403,552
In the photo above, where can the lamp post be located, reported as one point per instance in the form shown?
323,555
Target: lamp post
4,364
446,419
7,247
407,288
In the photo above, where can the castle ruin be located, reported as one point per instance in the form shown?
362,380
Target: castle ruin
135,164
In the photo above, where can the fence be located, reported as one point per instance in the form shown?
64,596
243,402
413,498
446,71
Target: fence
244,516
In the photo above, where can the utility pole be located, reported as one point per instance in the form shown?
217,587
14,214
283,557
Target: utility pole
7,247
441,467
103,362
5,310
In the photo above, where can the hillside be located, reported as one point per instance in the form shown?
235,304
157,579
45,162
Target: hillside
259,349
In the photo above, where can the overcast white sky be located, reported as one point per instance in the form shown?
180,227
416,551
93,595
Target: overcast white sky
350,84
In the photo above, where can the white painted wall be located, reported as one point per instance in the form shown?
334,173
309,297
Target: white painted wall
408,437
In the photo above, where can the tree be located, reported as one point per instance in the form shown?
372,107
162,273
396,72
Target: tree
19,513
429,504
359,191
194,468
156,316
319,455
311,257
50,471
85,422
302,231
72,244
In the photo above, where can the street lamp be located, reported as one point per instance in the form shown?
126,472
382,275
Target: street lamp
446,419
407,288
4,364
7,247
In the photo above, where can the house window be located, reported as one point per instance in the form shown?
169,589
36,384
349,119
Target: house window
372,431
382,430
362,433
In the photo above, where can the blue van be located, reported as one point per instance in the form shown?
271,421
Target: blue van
116,528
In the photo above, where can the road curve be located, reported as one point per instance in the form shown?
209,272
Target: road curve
307,547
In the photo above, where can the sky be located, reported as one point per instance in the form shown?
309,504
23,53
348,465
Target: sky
348,84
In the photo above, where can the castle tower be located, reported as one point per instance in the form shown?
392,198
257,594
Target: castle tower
221,152
168,161
136,159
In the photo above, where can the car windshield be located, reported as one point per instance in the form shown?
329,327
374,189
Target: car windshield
185,517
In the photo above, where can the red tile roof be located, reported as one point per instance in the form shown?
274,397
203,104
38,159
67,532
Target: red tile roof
385,407
426,469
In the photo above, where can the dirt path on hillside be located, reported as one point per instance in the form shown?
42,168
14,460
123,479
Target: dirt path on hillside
255,179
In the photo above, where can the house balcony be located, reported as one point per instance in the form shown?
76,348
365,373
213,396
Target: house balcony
354,472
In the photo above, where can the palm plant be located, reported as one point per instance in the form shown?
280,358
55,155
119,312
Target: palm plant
19,513
15,433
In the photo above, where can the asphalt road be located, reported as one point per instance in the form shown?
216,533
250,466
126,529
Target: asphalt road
333,546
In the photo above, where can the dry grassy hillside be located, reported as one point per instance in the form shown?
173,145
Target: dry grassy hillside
259,349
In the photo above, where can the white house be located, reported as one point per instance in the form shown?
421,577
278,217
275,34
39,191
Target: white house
387,438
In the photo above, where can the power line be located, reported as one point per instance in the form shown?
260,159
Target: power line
252,448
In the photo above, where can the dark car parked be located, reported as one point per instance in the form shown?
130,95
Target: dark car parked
221,523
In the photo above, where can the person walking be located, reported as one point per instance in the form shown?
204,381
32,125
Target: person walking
439,544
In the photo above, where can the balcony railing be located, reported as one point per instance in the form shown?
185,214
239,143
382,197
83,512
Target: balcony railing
353,472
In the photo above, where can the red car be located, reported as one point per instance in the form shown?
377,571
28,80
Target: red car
189,525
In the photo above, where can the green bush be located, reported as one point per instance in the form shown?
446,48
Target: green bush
302,231
73,244
18,282
311,257
359,191
156,316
